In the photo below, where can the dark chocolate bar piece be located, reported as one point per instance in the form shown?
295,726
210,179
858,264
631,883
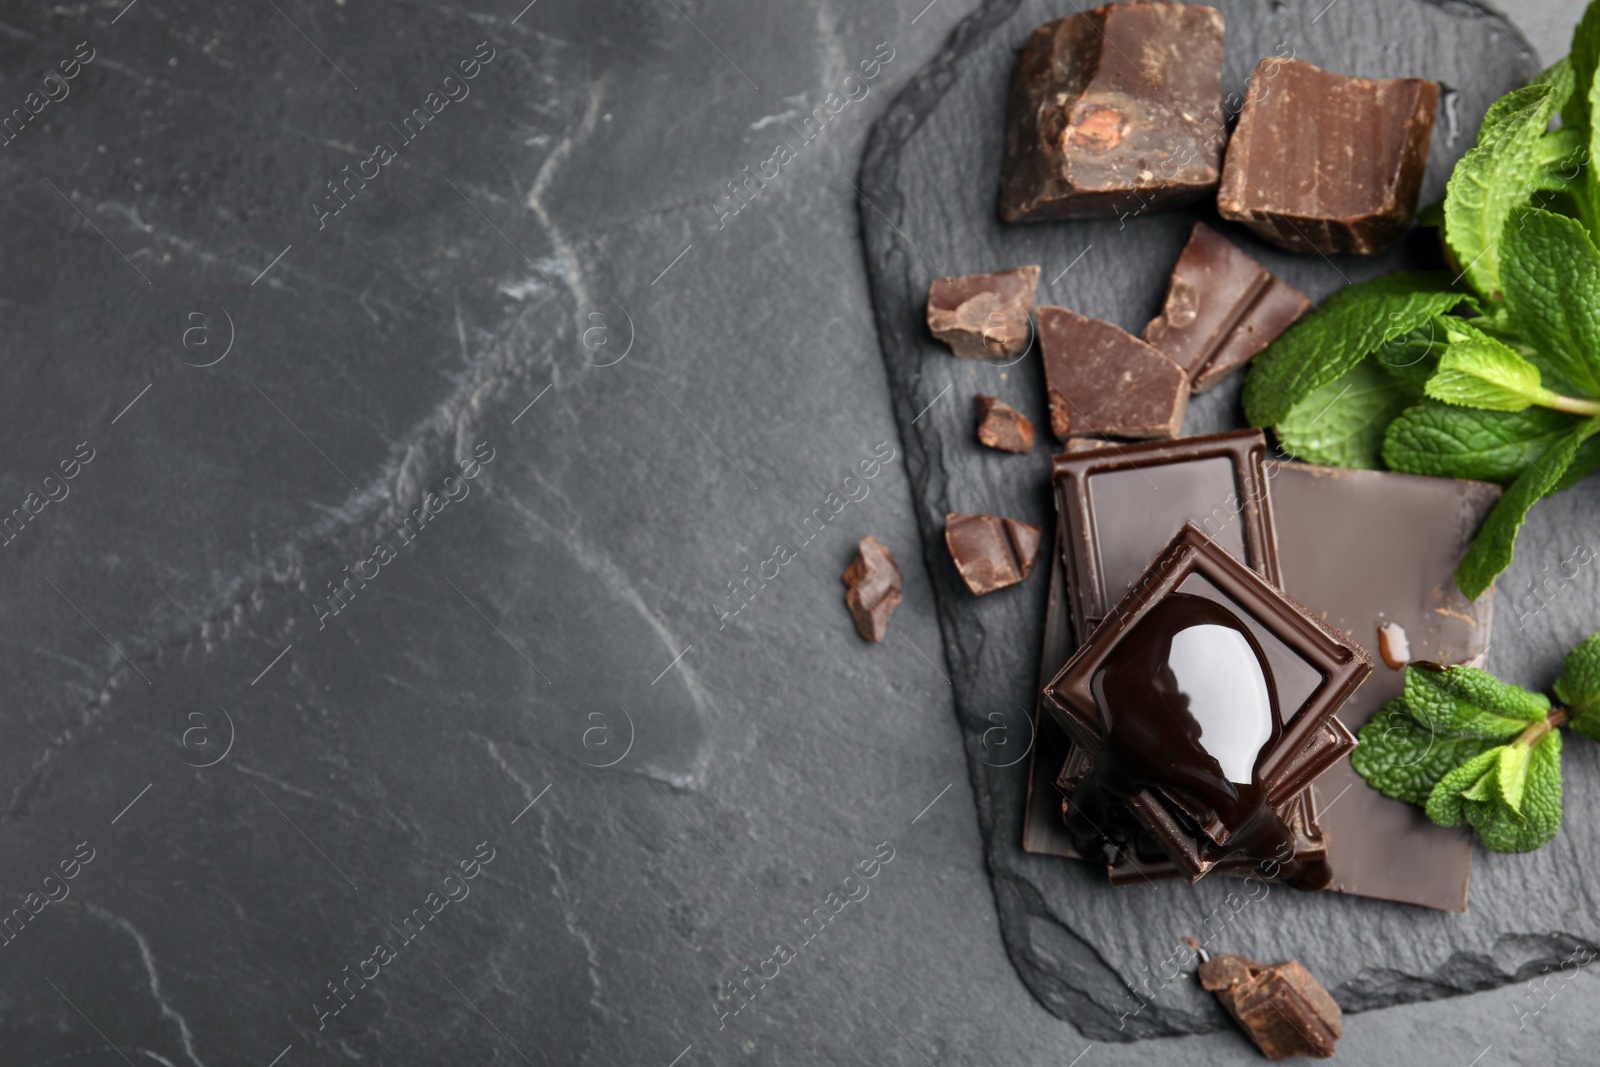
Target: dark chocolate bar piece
1104,381
1282,1007
1368,548
1002,426
991,552
1323,162
1222,308
1205,683
872,588
1115,111
1120,505
984,316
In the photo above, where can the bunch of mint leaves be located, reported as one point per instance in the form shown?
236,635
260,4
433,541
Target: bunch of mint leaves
1493,373
1472,749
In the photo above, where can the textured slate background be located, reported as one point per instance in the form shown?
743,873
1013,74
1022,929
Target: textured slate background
591,552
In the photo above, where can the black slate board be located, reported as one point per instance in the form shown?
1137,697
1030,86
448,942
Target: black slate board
928,189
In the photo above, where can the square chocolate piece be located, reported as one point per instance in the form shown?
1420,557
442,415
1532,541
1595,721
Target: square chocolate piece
1322,162
1202,688
1222,308
1119,507
984,316
1104,381
1115,111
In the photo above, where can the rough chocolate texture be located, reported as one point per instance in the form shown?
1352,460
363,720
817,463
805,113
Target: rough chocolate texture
984,316
1104,381
1222,308
1003,427
1282,1007
1079,946
991,552
1115,111
873,585
1323,162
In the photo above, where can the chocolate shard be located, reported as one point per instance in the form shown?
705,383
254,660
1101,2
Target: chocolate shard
1104,381
991,552
1002,426
1114,112
1222,308
984,316
1282,1007
1323,162
873,586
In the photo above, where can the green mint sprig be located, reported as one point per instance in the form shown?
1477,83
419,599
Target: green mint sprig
1490,371
1471,749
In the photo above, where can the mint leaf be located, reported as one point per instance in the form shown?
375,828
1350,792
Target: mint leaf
1552,288
1493,179
1486,374
1450,442
1584,54
1503,828
1447,804
1585,463
1492,549
1330,341
1413,356
1342,423
1579,687
1561,155
1470,702
1404,759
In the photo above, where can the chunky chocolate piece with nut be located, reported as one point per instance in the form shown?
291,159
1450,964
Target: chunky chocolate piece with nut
1104,381
1282,1007
1322,162
1222,308
873,585
1115,111
991,552
984,316
1002,426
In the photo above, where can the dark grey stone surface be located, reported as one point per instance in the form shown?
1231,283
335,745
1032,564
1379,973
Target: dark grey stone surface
465,679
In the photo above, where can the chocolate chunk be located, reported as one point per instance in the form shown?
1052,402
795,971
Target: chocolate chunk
1365,546
1222,308
1104,381
1002,426
1194,700
1120,506
984,316
873,586
991,552
1282,1007
1322,162
1393,646
1115,111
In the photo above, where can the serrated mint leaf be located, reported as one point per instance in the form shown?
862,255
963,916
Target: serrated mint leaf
1511,776
1326,344
1585,463
1413,356
1404,759
1504,830
1342,423
1492,549
1470,702
1494,178
1561,155
1551,277
1447,803
1450,442
1486,374
1578,688
1581,60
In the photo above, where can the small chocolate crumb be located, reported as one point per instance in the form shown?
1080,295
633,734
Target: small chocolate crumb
984,316
991,552
1002,426
1282,1007
1393,646
873,588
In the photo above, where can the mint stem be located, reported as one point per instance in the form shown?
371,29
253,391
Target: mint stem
1571,404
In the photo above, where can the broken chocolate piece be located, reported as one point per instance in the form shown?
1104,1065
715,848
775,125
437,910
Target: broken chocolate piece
1282,1007
1323,162
1115,111
1102,380
1393,646
991,552
1002,426
873,588
1222,308
984,316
